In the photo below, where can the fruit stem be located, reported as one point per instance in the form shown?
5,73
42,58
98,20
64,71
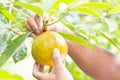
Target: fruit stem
55,21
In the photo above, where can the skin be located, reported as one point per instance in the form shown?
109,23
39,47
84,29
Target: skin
55,72
99,64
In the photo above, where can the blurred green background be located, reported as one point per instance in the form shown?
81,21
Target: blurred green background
98,24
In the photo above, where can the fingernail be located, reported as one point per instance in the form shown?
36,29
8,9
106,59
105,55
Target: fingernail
32,35
38,32
56,52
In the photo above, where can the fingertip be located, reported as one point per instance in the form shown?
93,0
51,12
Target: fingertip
37,31
56,53
36,67
56,57
35,71
32,35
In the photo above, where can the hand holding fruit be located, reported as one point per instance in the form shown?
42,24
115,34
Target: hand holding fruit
43,48
58,72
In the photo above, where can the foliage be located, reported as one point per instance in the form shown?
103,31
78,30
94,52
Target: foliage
95,22
12,48
4,75
76,72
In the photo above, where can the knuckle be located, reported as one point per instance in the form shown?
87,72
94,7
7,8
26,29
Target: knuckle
35,28
29,18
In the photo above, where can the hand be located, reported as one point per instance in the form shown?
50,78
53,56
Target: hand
58,72
35,24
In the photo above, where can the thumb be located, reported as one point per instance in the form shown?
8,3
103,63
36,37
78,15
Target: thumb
56,57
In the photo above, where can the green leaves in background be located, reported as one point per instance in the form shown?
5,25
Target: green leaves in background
77,39
70,26
5,39
88,8
33,8
76,72
116,9
6,13
4,75
106,37
1,6
20,54
57,2
96,5
12,48
85,10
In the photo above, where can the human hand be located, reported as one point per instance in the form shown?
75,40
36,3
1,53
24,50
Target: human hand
35,24
58,72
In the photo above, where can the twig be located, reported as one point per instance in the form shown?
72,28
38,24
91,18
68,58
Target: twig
54,21
16,32
92,21
11,29
20,11
14,8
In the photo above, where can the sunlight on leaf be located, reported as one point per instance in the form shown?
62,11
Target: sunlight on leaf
85,10
106,37
7,14
57,2
4,75
116,9
33,8
77,39
70,26
96,5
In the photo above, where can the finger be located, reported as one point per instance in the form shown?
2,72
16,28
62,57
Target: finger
33,25
41,68
39,22
37,74
51,70
56,57
32,35
28,27
36,67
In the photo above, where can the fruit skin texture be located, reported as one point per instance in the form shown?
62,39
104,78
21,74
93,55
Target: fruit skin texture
44,44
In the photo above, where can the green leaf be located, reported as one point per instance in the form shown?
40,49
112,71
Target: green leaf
5,38
7,14
77,39
4,25
106,37
70,26
20,54
57,2
85,10
115,9
12,48
33,8
59,18
1,6
97,5
46,5
4,75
